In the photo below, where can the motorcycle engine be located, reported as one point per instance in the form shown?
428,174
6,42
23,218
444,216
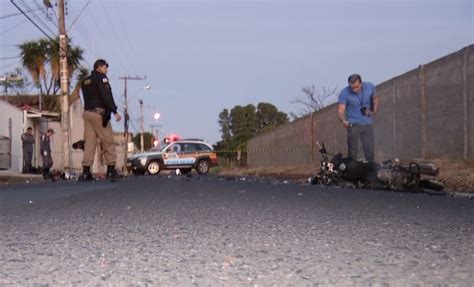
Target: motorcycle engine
393,176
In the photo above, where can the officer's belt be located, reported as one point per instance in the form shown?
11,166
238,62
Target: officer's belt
100,111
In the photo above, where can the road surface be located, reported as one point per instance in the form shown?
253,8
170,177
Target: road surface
218,231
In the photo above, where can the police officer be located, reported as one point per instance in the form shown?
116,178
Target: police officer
28,141
45,149
99,104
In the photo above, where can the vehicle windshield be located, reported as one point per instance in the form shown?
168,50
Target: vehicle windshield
159,147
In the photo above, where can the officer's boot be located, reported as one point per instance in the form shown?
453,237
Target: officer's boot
112,173
46,174
86,174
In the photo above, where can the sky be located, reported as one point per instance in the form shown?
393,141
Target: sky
200,57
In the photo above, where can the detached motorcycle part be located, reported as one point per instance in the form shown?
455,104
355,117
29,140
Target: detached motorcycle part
431,184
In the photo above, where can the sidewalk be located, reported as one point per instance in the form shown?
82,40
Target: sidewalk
9,176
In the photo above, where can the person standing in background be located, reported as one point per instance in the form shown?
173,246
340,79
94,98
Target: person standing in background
28,142
358,104
45,149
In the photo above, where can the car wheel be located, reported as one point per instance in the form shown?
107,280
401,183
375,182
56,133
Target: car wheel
203,166
153,167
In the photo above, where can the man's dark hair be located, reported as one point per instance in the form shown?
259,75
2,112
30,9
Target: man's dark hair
100,63
29,129
354,78
50,131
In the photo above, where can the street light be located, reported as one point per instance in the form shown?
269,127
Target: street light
156,116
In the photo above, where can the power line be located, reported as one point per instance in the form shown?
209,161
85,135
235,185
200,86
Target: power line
122,69
46,14
10,58
123,27
79,15
36,25
13,27
8,65
17,14
38,18
114,31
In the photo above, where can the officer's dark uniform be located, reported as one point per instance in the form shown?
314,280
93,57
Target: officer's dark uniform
98,106
28,141
45,149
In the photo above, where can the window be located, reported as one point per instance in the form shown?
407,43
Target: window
190,148
203,147
174,148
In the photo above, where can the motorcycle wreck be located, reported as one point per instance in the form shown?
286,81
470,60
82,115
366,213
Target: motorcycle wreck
389,175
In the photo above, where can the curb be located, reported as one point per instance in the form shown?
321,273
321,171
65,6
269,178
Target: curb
460,194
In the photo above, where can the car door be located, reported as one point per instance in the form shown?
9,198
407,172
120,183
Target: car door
170,155
187,155
176,155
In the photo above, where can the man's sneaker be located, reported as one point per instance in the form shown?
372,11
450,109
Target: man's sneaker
86,177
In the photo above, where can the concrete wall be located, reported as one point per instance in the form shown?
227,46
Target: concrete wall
286,145
425,113
15,115
77,133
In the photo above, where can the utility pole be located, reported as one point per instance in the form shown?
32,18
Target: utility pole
63,73
156,131
142,129
125,113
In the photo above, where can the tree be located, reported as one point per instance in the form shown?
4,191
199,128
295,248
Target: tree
269,117
147,140
243,123
16,81
41,59
224,123
82,73
312,99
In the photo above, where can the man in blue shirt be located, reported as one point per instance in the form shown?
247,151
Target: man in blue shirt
358,103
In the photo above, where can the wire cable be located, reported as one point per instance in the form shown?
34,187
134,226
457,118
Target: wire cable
38,18
36,25
46,14
13,27
17,14
10,58
79,15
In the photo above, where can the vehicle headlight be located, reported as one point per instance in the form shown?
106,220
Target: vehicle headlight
342,167
142,160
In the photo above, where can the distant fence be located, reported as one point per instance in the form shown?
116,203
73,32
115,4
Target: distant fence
426,113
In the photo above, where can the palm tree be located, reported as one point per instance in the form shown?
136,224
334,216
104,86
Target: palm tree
41,60
82,73
33,57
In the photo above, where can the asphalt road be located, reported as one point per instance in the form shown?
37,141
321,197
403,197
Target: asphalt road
208,231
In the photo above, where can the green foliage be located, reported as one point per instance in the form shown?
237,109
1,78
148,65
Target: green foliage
243,123
147,140
17,82
41,59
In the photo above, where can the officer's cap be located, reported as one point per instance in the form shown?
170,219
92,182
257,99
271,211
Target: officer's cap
100,63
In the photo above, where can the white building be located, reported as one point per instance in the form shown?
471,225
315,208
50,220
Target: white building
14,122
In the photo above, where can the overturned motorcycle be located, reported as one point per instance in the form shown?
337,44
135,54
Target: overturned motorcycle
389,175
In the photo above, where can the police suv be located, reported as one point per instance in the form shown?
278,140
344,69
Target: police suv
182,154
